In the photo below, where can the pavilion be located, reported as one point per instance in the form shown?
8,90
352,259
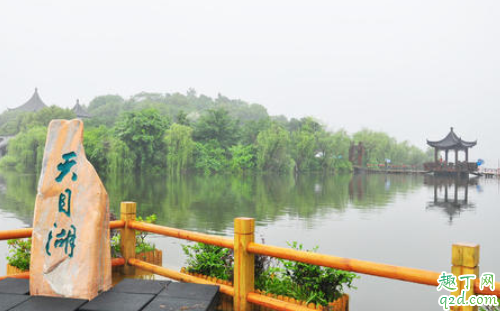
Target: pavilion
79,111
454,143
34,104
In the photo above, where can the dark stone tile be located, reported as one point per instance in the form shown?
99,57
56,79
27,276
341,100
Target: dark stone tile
41,303
8,301
15,286
191,291
165,303
114,301
137,286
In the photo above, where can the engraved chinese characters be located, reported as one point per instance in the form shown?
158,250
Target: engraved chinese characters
70,252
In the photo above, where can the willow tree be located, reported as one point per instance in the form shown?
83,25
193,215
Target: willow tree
179,148
272,149
25,151
108,154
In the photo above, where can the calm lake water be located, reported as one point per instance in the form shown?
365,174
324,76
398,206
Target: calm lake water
394,219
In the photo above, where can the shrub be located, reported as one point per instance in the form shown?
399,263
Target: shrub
141,245
209,260
298,280
19,253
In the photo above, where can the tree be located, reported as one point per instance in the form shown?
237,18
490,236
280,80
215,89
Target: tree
142,131
179,148
251,129
272,149
16,122
107,153
217,125
303,143
242,158
209,157
181,118
25,151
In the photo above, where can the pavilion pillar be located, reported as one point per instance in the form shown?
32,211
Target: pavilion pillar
466,194
456,156
446,156
435,155
467,155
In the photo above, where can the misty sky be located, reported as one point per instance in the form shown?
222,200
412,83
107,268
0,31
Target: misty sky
410,69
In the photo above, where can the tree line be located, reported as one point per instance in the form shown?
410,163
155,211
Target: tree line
175,134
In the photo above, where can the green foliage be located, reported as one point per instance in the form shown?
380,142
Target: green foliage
140,236
142,132
182,119
380,146
272,149
107,153
302,147
126,136
141,245
209,260
105,110
209,158
301,281
315,283
179,148
19,253
242,158
14,122
217,125
25,151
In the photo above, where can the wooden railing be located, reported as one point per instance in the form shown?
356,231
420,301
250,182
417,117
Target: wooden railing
465,259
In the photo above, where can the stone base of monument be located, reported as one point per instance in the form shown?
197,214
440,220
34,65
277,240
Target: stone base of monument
128,295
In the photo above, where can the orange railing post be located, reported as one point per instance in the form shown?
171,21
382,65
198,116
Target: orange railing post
465,260
243,263
127,243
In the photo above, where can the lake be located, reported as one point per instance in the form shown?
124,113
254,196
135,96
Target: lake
395,219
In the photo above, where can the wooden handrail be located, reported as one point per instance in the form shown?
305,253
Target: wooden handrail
495,292
116,224
226,289
23,275
27,232
354,265
16,234
117,262
360,266
182,234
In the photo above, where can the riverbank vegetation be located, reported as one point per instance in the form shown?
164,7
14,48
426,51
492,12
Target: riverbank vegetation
172,134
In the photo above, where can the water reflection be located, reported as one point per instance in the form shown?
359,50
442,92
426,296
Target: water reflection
210,203
451,195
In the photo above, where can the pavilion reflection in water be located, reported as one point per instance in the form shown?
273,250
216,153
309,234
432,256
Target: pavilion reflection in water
451,194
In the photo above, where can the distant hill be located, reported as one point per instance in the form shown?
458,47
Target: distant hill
107,108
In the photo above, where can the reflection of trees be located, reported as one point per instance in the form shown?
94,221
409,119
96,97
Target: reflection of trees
18,195
378,190
210,203
451,194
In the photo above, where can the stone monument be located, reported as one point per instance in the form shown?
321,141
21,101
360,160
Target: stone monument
70,252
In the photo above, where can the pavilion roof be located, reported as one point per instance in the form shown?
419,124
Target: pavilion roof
451,141
35,103
80,111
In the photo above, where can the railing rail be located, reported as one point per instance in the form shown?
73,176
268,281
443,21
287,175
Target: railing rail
354,265
465,257
182,234
27,232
